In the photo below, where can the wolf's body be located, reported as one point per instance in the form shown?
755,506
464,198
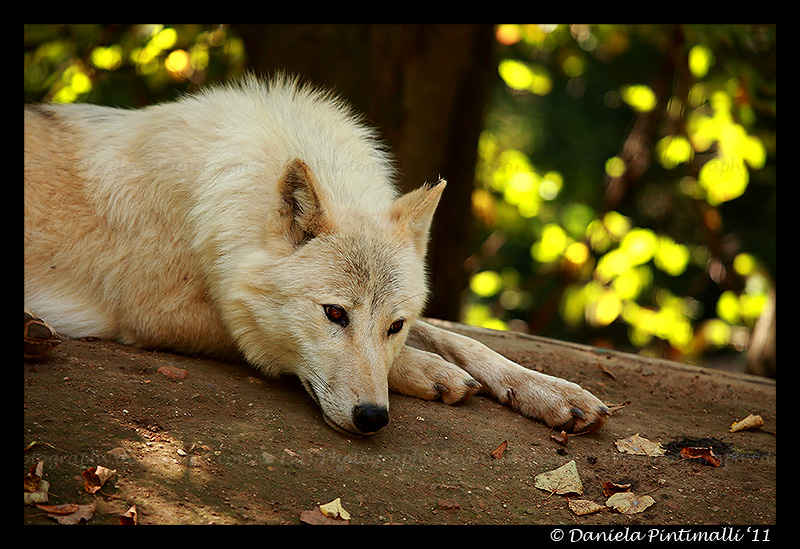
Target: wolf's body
260,221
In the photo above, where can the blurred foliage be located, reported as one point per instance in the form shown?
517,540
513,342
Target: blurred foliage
626,186
126,65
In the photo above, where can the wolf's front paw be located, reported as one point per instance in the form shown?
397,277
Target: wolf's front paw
561,404
429,377
39,337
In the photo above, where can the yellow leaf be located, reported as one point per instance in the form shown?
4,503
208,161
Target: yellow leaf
564,480
334,509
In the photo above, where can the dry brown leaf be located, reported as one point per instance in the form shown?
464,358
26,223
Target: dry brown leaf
63,509
559,438
95,477
34,487
629,503
172,372
639,446
584,506
753,421
334,509
706,454
617,407
564,480
611,488
33,477
82,513
500,451
130,517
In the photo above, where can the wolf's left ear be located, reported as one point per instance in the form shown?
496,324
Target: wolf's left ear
413,212
302,203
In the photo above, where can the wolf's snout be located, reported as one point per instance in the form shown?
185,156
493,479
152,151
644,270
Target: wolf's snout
369,418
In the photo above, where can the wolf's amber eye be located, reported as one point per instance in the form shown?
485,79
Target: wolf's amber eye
336,315
396,326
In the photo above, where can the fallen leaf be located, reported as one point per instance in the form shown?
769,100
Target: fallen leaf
33,477
95,477
606,371
172,372
500,451
611,488
617,407
639,446
334,509
752,421
629,503
34,487
130,517
564,480
82,513
560,438
584,506
315,516
39,496
706,454
63,509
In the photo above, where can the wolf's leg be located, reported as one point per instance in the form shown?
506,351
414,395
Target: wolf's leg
557,402
39,337
428,376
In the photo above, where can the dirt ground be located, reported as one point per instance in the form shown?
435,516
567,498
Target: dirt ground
222,445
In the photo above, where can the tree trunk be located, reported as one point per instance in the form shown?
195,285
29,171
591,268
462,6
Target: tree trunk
425,88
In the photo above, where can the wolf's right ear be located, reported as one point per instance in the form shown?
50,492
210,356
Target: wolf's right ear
414,212
302,205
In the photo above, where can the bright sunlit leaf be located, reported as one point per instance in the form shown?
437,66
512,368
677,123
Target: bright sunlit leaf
744,264
523,76
616,224
177,63
165,39
640,97
673,150
551,245
700,60
486,283
639,245
516,74
109,58
728,307
615,166
577,253
671,257
716,332
605,309
550,185
81,83
724,179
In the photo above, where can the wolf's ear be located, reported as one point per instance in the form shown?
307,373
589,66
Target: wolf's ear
302,203
413,212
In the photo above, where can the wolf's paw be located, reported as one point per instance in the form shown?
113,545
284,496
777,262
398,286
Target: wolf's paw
39,337
430,377
561,404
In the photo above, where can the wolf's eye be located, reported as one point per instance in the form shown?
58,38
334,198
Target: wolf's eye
396,326
336,315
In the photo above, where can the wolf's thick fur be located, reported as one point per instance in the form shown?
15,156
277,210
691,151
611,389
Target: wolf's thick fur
255,220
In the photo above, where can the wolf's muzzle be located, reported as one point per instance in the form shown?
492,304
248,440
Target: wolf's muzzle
369,418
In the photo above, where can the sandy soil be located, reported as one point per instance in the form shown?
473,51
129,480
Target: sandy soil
222,445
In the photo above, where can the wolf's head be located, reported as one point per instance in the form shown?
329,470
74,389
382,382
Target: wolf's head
336,305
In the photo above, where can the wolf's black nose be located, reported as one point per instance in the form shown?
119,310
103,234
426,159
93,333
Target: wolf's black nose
369,418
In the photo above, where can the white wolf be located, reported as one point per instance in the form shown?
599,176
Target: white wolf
256,220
